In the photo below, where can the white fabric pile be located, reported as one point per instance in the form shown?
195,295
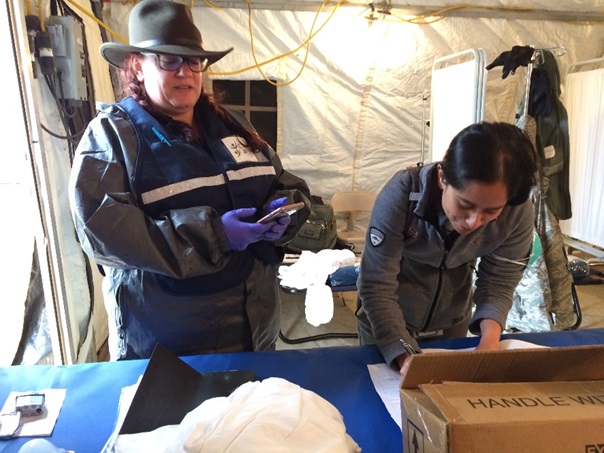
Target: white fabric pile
310,272
271,416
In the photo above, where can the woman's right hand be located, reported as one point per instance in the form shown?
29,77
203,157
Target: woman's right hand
403,362
239,233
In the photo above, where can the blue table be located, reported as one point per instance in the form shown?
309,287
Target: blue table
338,374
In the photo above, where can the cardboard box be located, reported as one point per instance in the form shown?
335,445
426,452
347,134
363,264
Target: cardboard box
524,400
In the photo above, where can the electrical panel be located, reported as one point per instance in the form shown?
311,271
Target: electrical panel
69,55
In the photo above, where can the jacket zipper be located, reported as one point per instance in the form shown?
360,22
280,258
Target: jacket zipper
442,268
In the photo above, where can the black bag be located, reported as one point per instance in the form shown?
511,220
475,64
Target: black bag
318,232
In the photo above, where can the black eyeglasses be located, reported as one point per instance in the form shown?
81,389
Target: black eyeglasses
174,62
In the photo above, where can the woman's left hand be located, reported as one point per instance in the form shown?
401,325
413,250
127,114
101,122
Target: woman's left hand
274,204
277,229
278,225
490,334
403,362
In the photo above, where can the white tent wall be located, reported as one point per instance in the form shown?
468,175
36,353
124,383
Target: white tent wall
354,115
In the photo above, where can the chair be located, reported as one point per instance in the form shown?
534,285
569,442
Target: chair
352,211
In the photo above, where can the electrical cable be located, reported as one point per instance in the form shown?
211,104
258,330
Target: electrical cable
98,21
323,336
291,52
211,5
86,112
306,43
71,141
27,405
32,24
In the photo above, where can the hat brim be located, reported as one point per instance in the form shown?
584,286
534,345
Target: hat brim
115,53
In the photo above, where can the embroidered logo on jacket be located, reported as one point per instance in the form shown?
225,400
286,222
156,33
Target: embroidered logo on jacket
376,236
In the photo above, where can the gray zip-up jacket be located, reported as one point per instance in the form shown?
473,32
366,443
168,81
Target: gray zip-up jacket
411,279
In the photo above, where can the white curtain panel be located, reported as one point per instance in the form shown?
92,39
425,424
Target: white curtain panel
585,105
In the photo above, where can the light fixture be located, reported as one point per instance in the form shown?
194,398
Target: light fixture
378,11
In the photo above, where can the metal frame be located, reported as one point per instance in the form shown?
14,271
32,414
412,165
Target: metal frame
479,56
595,61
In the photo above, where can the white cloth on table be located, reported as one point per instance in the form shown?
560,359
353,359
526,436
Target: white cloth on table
273,415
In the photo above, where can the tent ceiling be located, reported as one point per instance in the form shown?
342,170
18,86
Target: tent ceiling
531,10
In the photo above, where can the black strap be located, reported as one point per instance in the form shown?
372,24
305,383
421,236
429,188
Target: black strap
414,192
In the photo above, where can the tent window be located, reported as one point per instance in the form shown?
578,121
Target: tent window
257,99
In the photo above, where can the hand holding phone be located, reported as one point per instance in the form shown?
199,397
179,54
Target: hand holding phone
281,211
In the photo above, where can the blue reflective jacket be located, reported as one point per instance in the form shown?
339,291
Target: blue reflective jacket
147,207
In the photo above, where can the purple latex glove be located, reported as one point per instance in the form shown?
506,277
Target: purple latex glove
274,205
278,227
240,233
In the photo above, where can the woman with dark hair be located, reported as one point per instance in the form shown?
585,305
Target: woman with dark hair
166,190
427,230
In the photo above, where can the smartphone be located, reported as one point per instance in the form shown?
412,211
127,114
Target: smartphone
288,209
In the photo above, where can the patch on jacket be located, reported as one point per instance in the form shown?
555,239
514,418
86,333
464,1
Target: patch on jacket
376,236
412,232
240,151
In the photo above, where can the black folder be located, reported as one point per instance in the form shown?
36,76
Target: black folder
169,389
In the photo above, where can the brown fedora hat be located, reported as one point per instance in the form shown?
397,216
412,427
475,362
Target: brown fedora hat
160,26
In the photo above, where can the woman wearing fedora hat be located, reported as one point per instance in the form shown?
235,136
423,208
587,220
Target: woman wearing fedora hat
166,190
